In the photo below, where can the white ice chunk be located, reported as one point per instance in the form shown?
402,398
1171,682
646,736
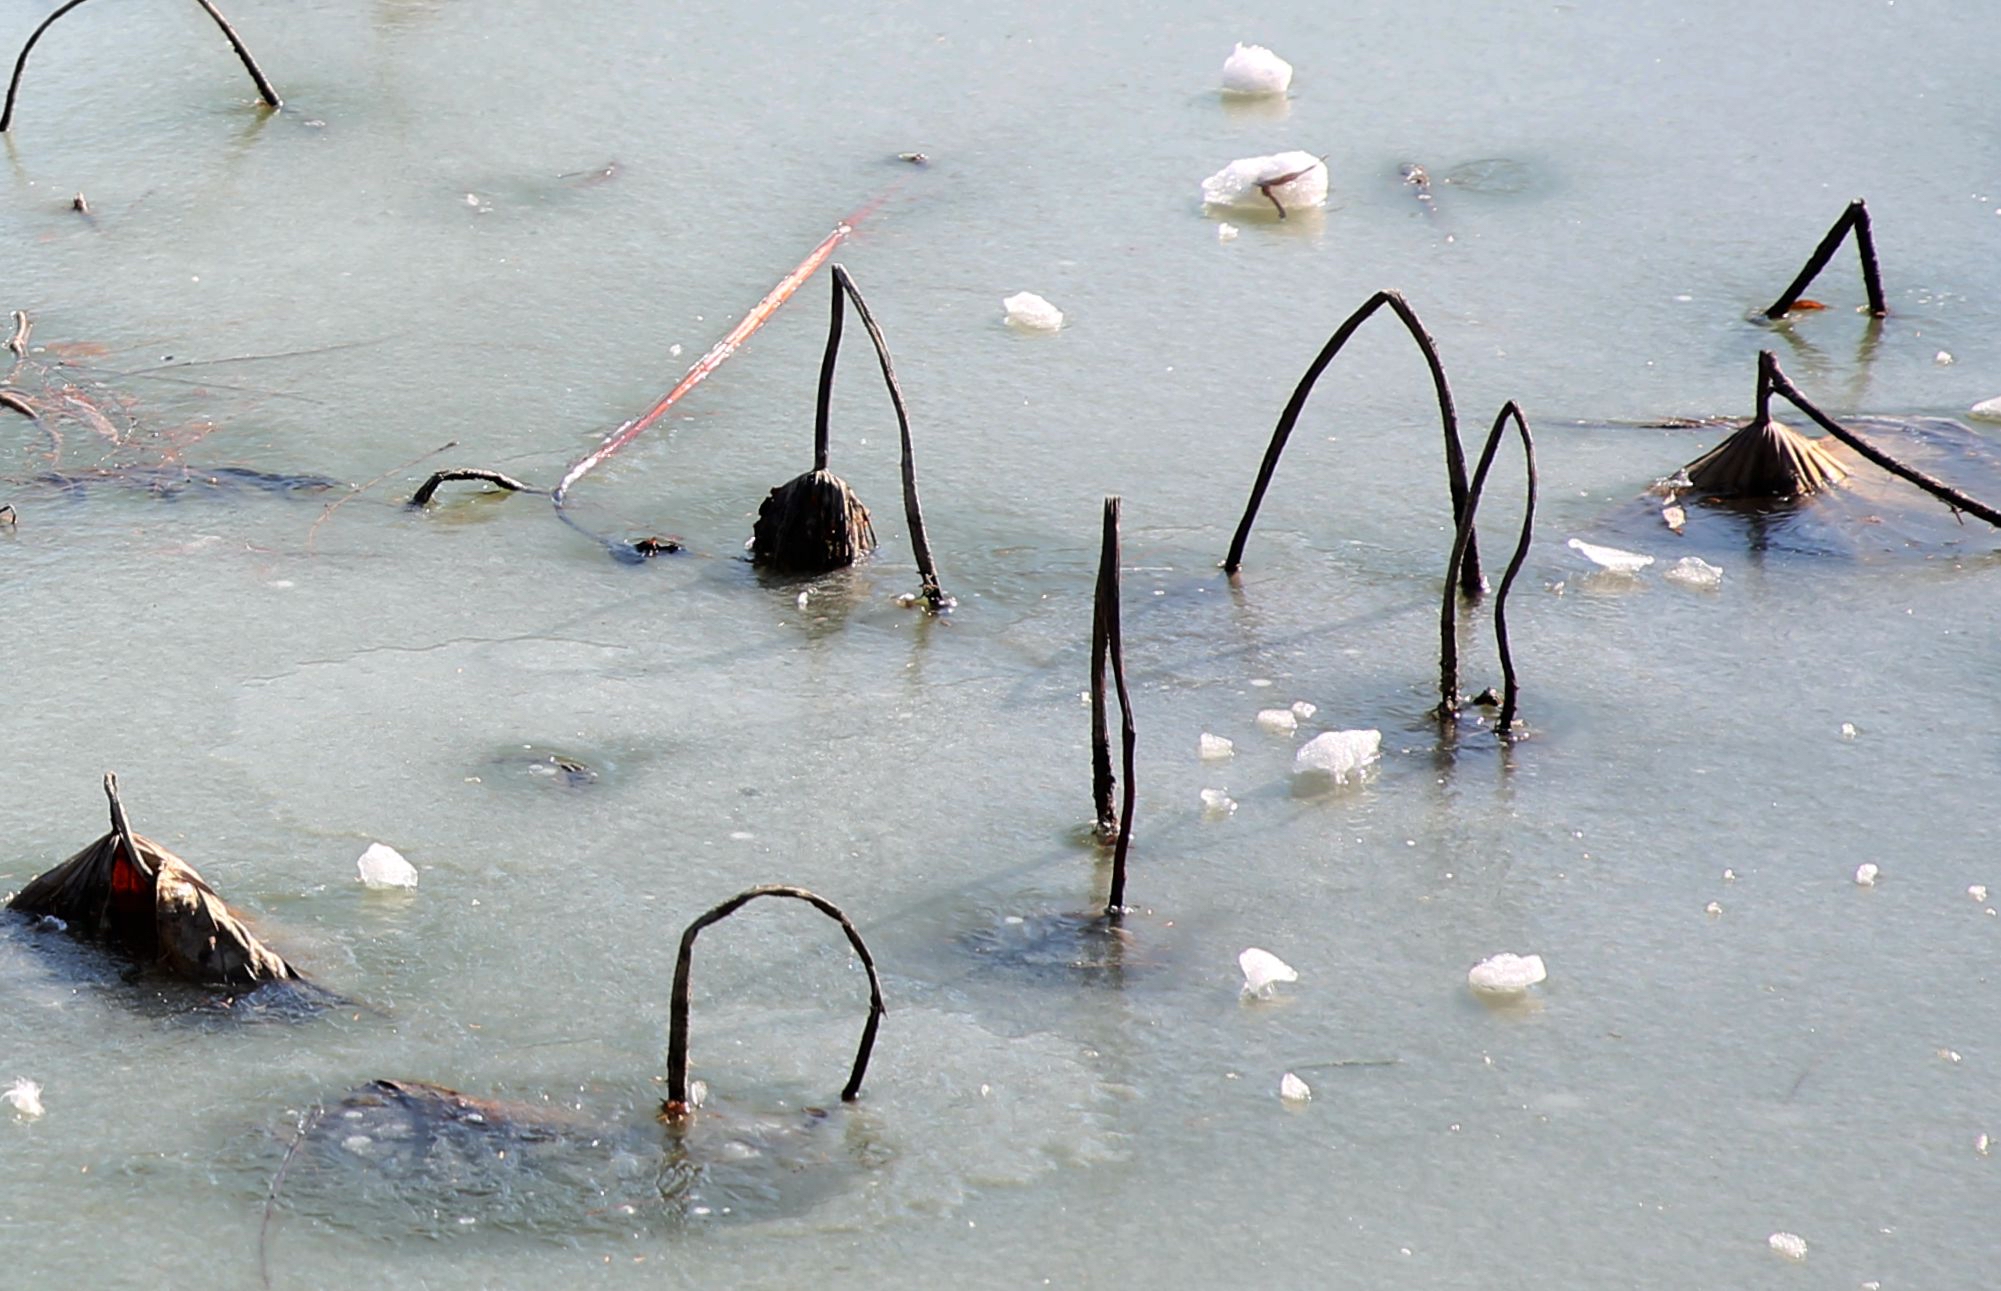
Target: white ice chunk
1694,571
1848,730
1214,748
1303,710
1031,312
1981,1145
1227,232
1340,754
1978,891
1279,721
1988,408
26,1096
1506,974
382,866
1865,875
1943,358
1622,562
1215,802
1713,909
1790,1245
1253,69
1294,1090
1263,971
1296,179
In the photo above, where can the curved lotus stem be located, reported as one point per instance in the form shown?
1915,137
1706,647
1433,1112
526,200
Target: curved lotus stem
676,1108
1448,619
1771,380
428,489
1106,641
913,514
1856,217
264,90
1455,453
121,827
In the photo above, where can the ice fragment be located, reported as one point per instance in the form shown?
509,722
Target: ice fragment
1253,69
1303,710
1294,1090
1226,232
1977,891
1217,803
1263,971
1279,721
1214,747
1506,974
1031,312
1694,571
1712,909
26,1096
1790,1245
382,866
1980,1145
1340,754
1988,408
1848,730
1865,874
1619,562
1293,179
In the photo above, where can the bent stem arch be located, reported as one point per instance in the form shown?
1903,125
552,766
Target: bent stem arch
1773,381
1448,618
429,488
1855,218
1107,642
1455,453
676,1107
264,89
913,514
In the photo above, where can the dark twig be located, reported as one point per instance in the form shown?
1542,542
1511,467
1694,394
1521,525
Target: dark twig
1448,617
823,402
1102,779
123,828
1856,217
676,1107
425,491
913,513
306,1123
1108,616
1455,454
1266,186
18,342
19,403
264,90
1771,379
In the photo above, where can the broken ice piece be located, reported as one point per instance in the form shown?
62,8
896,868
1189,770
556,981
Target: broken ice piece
1217,803
1253,69
1951,1055
1283,182
1031,312
1340,754
1294,1090
1214,747
1712,909
1694,571
382,866
1506,974
1303,710
1980,1145
1865,875
1226,232
1978,891
1619,562
1263,971
1279,721
26,1097
1988,408
1674,516
1790,1245
1848,730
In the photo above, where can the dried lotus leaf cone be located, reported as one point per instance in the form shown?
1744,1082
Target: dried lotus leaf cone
1766,459
130,892
811,524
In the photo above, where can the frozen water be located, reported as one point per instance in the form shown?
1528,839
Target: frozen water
26,1097
1263,971
1340,754
1865,875
1506,974
1790,1245
1279,721
1978,891
1214,747
1693,571
1032,313
382,866
1988,408
1622,562
1227,231
1253,69
1217,803
1303,710
1294,1090
1237,183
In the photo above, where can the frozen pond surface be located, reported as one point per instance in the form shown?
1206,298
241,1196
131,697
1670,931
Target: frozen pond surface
428,239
